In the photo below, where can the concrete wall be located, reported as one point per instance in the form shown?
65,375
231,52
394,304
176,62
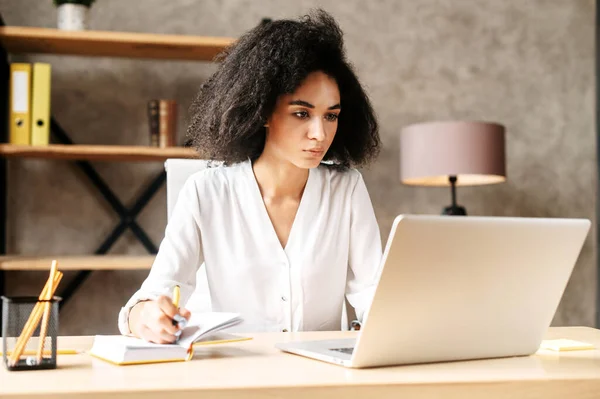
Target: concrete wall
526,64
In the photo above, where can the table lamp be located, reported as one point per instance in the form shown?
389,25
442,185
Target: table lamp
453,153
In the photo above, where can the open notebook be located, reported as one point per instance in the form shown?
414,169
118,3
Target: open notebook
203,328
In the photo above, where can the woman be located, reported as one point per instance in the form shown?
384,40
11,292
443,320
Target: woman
285,226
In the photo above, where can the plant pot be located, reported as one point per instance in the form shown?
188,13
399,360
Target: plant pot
73,17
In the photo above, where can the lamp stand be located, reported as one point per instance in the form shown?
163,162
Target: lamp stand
454,209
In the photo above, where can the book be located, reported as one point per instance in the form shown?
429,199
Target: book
202,329
153,122
167,123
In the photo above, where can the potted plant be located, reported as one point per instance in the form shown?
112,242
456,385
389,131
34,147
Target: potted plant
73,14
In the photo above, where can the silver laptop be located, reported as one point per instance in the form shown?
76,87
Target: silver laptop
457,288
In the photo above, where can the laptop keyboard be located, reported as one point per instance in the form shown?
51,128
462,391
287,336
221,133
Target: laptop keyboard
343,350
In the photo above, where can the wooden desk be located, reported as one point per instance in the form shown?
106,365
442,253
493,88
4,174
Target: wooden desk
254,369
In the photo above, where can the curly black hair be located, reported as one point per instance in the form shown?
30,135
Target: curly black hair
232,106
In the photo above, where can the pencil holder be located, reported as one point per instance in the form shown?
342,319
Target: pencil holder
29,332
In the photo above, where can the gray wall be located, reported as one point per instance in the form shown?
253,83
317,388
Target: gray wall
527,64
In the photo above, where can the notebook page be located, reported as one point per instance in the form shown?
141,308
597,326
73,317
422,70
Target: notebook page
201,324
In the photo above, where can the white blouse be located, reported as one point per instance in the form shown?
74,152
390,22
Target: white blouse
220,221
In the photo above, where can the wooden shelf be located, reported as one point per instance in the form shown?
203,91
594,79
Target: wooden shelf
96,152
21,39
91,262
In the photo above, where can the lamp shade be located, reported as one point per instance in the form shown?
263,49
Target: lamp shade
471,151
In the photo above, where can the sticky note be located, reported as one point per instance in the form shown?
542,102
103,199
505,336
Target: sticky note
561,345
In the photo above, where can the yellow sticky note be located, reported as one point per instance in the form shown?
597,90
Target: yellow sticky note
561,345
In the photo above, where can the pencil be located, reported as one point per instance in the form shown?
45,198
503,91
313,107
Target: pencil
178,320
176,295
48,352
46,315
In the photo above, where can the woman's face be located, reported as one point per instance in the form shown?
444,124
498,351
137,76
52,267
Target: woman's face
304,123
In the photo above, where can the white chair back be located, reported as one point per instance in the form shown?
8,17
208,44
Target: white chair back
178,171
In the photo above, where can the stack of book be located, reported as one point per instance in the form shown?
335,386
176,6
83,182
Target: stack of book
162,121
29,104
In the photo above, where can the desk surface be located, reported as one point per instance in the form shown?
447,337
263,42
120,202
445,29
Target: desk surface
255,369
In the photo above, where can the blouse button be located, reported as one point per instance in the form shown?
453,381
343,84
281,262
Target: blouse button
284,330
283,298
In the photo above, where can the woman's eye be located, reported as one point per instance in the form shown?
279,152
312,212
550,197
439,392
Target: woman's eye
301,114
332,117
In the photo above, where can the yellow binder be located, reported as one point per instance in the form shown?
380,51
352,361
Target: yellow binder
40,104
20,99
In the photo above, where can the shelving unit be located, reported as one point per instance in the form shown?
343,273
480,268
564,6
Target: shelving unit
20,40
30,40
96,152
92,262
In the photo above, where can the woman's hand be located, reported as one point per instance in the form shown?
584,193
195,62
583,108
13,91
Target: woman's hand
153,320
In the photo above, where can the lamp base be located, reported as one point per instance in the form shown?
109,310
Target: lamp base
455,210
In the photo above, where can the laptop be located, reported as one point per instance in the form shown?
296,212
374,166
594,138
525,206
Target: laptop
454,288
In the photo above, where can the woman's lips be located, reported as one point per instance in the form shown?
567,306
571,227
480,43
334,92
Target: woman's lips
315,151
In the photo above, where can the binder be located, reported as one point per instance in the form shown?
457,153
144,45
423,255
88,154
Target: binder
40,104
19,104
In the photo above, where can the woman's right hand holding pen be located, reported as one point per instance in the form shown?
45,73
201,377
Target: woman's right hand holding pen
153,320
